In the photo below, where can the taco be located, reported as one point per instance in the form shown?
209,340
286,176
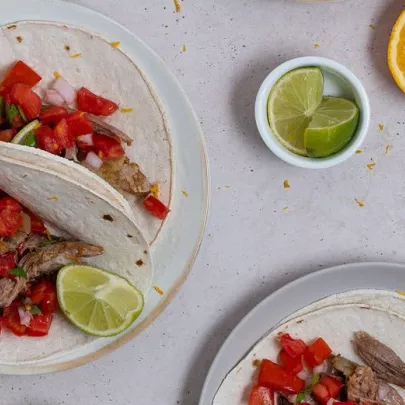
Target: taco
345,354
48,221
88,105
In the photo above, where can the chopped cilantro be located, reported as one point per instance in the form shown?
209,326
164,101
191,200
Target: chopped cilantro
18,272
47,243
316,378
35,310
301,396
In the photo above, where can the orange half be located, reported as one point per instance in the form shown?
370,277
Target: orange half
396,52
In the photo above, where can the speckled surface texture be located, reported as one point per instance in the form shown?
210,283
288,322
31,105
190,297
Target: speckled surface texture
252,244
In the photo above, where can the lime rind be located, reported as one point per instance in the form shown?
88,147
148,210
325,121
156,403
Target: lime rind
98,302
25,131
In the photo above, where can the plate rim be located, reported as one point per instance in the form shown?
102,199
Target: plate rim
208,393
32,369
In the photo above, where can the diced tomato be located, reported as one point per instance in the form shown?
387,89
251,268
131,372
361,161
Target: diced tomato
19,73
6,135
13,116
10,216
321,394
53,115
44,295
107,147
332,384
261,396
62,135
10,203
46,140
294,347
93,104
11,319
278,379
155,207
27,99
79,123
39,325
37,225
291,364
7,263
317,353
349,403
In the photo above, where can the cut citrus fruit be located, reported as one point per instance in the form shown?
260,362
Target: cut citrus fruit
292,102
98,302
331,128
396,52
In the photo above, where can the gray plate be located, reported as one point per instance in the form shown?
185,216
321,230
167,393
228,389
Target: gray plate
291,298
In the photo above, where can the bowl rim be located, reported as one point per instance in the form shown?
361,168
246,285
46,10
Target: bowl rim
281,151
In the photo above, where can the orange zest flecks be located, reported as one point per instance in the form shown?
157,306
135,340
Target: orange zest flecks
371,165
317,46
126,110
115,44
184,192
53,198
184,48
359,203
372,26
399,292
286,184
387,149
381,127
177,5
158,290
76,55
154,189
358,151
56,74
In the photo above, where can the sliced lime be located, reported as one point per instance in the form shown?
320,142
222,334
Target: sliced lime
332,127
24,133
98,302
292,102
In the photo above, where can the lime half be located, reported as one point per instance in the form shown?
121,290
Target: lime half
292,102
332,127
98,302
24,135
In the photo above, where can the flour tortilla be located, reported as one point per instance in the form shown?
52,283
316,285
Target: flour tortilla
71,209
109,72
335,319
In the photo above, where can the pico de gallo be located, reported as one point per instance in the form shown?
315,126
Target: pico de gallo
49,124
307,373
29,258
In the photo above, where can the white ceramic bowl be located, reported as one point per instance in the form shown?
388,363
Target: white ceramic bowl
338,82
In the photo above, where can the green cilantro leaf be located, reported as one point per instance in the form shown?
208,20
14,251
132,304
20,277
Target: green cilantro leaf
315,379
18,272
35,310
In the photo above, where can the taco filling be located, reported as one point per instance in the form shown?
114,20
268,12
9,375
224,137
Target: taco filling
49,124
29,258
308,373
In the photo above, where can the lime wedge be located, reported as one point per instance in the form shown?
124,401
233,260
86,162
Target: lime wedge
25,132
292,102
332,127
98,302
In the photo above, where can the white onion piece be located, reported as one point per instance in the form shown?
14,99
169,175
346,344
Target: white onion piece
331,401
65,89
320,369
25,316
93,161
86,139
71,153
305,375
52,97
292,398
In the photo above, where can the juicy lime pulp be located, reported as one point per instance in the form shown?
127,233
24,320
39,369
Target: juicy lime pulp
292,102
97,301
332,127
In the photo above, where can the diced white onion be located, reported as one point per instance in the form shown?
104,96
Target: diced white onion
86,139
331,401
305,375
25,316
71,153
320,369
52,97
65,89
93,161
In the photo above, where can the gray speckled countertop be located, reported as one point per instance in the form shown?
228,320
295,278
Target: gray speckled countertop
252,244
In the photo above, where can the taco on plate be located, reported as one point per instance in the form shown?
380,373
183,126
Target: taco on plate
70,96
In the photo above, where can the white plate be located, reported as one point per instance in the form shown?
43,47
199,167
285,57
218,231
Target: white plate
179,241
289,299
